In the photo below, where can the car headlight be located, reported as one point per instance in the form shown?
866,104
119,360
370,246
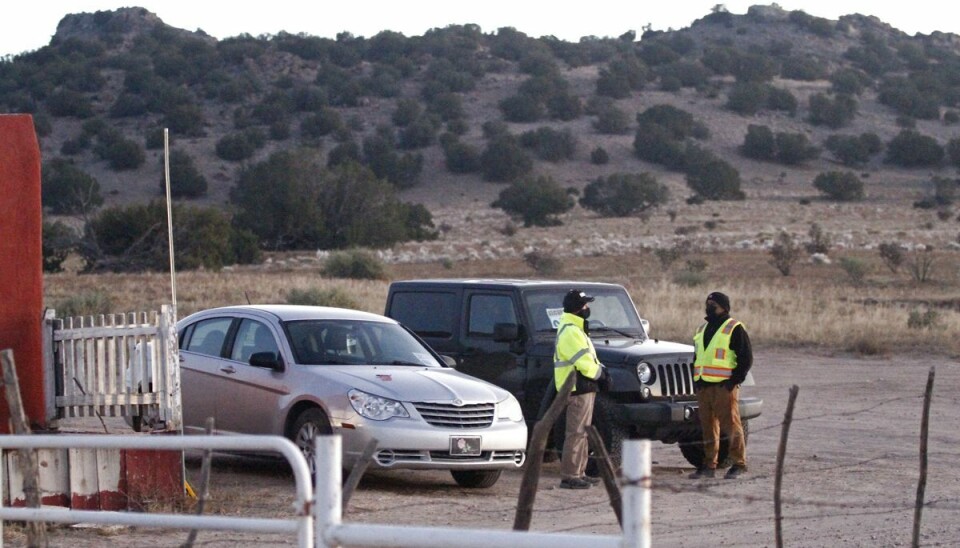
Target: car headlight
509,410
375,407
645,372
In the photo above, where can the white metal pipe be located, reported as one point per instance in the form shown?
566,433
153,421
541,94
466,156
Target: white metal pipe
636,494
367,534
140,519
298,464
329,506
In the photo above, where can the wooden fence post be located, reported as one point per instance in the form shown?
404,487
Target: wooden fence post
36,530
538,441
922,482
781,453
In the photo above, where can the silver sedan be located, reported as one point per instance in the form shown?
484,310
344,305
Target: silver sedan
300,371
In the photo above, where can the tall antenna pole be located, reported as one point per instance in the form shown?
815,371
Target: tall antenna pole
166,176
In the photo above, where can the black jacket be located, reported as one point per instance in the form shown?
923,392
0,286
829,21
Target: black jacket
739,343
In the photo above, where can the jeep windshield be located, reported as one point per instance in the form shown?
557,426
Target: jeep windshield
611,313
353,342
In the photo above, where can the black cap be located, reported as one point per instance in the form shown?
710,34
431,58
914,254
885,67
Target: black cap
720,299
574,300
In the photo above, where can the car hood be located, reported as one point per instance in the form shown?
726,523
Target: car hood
620,349
419,384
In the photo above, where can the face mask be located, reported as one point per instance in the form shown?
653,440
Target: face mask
585,313
711,311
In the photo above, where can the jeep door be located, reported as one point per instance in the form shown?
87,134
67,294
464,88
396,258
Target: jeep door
483,356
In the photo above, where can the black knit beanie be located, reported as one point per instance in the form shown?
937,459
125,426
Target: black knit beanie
720,299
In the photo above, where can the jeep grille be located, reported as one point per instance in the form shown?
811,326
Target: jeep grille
450,416
676,379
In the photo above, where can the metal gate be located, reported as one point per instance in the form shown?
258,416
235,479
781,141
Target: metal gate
116,365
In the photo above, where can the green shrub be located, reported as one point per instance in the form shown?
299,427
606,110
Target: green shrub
599,156
612,121
819,240
68,190
504,160
543,263
86,303
833,113
420,133
623,194
803,67
715,179
784,253
406,111
461,157
856,269
67,102
315,296
782,100
926,319
759,143
849,81
124,154
843,186
381,156
794,148
237,147
522,108
892,255
550,144
355,264
748,98
58,242
537,201
679,123
854,150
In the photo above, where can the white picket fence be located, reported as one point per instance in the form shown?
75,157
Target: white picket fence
116,365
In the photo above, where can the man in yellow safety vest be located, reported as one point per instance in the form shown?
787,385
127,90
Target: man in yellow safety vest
575,355
723,358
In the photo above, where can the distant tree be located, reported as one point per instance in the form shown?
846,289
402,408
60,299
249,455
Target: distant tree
186,181
840,186
833,113
794,148
623,194
68,190
537,201
715,179
461,157
599,156
522,108
407,110
58,242
550,144
912,149
854,150
380,155
849,81
612,121
784,253
748,98
759,143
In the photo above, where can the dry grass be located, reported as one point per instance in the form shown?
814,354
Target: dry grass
816,306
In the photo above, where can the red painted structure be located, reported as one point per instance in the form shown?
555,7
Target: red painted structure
21,262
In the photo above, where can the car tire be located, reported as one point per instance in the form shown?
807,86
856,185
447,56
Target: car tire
475,479
612,432
692,448
311,423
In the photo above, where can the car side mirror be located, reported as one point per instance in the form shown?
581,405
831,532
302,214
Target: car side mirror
268,360
506,332
449,361
646,326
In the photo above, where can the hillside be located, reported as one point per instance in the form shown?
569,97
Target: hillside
129,72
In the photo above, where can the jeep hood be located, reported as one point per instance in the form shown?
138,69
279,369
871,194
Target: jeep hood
623,350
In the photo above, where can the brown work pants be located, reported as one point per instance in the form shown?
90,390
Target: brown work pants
720,412
579,414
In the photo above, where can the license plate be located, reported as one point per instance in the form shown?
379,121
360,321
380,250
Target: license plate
465,445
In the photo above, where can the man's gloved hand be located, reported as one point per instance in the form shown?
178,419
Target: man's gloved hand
730,384
604,383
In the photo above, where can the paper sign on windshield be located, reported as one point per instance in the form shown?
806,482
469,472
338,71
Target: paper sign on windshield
554,315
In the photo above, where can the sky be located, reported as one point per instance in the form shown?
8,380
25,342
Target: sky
29,25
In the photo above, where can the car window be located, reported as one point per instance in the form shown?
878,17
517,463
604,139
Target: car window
252,337
487,311
428,314
208,336
350,342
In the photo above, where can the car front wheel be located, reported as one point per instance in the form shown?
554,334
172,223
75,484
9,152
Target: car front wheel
475,479
310,424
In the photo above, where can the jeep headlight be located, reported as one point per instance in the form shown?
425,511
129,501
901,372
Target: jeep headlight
509,410
645,373
375,407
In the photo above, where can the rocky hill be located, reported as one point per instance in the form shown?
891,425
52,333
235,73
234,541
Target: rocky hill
405,106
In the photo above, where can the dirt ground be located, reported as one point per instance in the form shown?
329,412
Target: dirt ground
850,479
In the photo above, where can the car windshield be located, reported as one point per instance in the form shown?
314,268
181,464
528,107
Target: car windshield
612,311
352,342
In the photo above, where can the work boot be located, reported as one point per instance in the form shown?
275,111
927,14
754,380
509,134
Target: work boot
591,480
735,471
703,473
574,483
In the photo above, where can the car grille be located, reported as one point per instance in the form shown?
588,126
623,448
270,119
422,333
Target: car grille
391,457
676,379
451,416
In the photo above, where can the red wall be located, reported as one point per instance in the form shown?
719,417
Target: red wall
21,261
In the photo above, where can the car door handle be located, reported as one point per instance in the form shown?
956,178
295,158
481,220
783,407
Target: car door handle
228,369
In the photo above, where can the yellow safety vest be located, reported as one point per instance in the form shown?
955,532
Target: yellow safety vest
574,350
716,362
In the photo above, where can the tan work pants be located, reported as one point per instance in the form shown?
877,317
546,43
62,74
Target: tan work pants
720,412
579,415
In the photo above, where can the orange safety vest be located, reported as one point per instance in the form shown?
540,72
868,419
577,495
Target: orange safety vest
716,362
